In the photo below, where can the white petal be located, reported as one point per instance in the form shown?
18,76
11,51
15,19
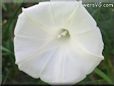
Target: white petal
83,28
26,27
69,65
29,37
25,47
52,14
86,60
41,14
35,62
62,10
81,21
71,69
91,41
78,64
62,0
52,73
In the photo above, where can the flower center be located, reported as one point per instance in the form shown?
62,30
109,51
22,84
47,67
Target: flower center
63,34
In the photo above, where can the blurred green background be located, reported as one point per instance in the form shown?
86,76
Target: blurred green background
103,74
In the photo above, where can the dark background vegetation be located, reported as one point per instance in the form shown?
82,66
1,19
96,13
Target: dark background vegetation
103,74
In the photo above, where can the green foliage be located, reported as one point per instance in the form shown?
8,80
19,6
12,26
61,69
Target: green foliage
104,74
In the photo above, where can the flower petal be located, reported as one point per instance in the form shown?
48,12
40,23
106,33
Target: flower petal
52,72
60,14
41,14
86,60
83,28
52,14
81,21
62,0
70,65
91,41
36,60
78,64
29,37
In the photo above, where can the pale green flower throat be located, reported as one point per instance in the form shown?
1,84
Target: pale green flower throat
63,34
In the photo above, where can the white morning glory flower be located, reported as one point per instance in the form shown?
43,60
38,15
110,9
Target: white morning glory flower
58,42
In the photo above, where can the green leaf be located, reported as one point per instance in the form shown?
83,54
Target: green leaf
5,49
103,75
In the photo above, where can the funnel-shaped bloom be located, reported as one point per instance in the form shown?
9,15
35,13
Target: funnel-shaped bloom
58,42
